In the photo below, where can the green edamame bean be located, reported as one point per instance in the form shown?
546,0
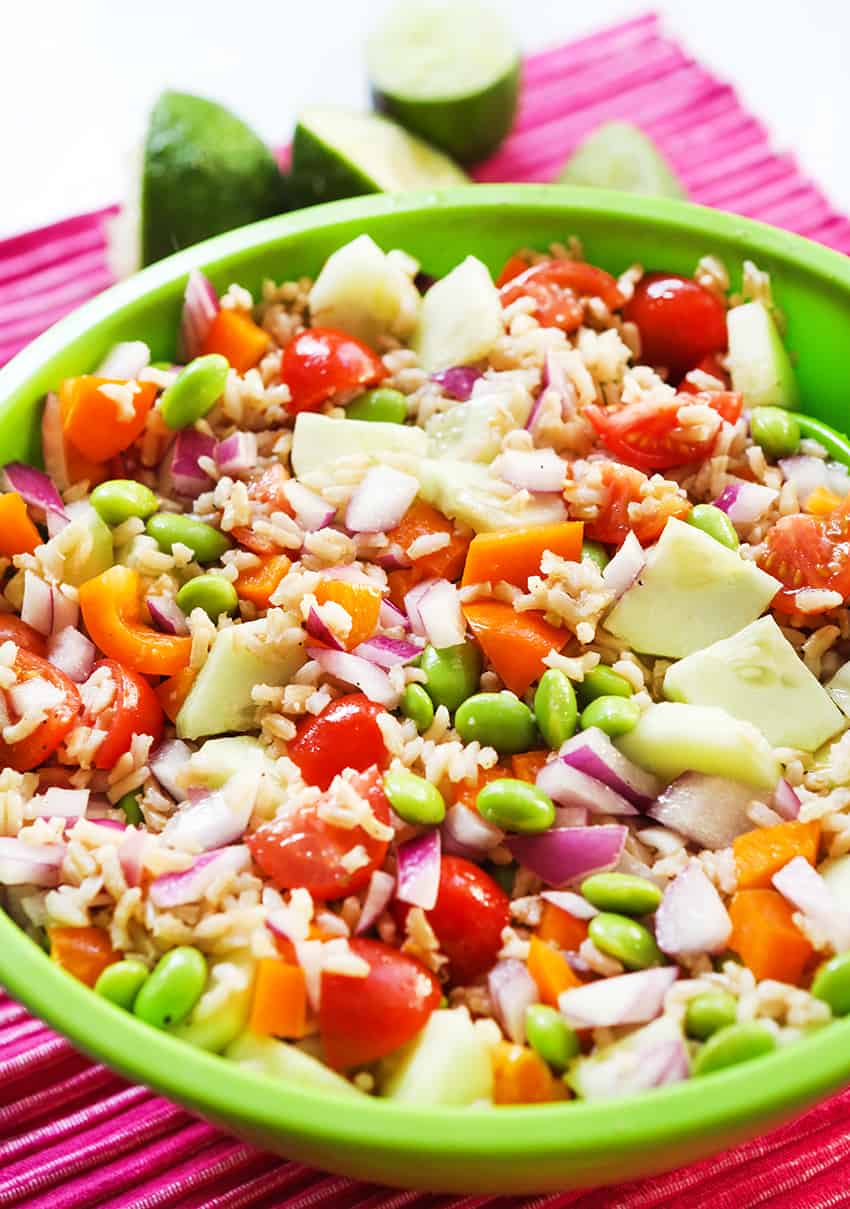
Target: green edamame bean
549,1034
173,988
515,805
194,391
130,805
119,499
418,706
621,892
615,715
715,523
733,1044
627,940
212,593
603,681
831,983
453,673
708,1013
497,720
775,430
413,798
207,544
555,708
382,404
596,552
121,982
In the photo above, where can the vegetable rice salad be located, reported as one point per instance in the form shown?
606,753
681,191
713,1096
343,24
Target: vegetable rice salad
436,689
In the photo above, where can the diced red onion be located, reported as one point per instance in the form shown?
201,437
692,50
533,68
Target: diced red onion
418,872
532,470
125,360
466,833
37,607
566,854
72,653
806,473
624,568
316,627
209,822
167,763
351,669
574,904
381,500
393,558
182,469
570,787
53,443
412,601
237,454
34,487
200,307
457,381
36,694
441,615
56,522
378,897
837,478
593,753
167,615
387,652
654,1056
691,917
23,864
60,803
554,378
785,801
311,511
571,816
390,616
712,811
108,824
130,854
512,992
745,502
178,889
66,612
623,999
806,890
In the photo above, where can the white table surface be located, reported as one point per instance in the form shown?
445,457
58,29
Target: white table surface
78,76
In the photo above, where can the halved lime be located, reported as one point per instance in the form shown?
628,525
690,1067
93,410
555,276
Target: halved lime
204,171
618,155
448,72
339,153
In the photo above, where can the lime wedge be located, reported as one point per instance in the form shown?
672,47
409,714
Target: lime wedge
447,72
204,171
338,153
620,156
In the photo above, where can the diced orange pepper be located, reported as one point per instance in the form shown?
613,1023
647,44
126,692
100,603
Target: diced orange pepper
111,610
514,554
527,764
520,1076
550,970
560,928
515,643
237,338
93,423
422,520
83,952
761,853
174,691
279,1008
360,602
257,584
821,502
467,792
765,936
18,535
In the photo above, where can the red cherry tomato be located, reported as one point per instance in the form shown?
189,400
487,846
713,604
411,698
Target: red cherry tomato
344,735
680,321
809,552
12,629
35,748
363,1019
648,434
468,918
321,363
557,286
133,710
621,486
303,849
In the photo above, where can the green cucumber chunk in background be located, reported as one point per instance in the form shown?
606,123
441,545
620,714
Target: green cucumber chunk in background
618,155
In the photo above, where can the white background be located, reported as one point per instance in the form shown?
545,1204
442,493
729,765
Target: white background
78,76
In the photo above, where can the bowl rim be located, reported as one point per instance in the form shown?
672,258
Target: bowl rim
595,1130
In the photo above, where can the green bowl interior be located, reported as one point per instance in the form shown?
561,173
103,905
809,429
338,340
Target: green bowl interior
510,1150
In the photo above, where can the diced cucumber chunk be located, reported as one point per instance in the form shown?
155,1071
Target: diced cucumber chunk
466,491
217,760
632,1065
758,360
473,431
85,544
836,874
461,318
366,292
618,155
839,688
447,1063
320,440
280,1060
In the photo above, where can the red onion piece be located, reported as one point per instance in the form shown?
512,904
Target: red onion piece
34,487
419,870
37,607
209,822
24,864
182,468
60,803
72,653
390,616
806,890
712,811
66,612
571,816
130,853
532,470
566,854
53,443
393,558
654,1056
317,628
311,511
512,992
745,502
107,824
125,360
593,753
691,917
351,669
411,604
624,999
806,473
838,478
200,307
441,616
381,500
378,897
458,381
625,567
167,615
178,889
56,522
465,833
570,787
387,652
167,763
237,454
574,904
785,801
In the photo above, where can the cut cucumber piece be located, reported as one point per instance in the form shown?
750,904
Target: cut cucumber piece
448,72
836,874
85,544
366,292
217,760
839,689
340,153
670,739
758,676
448,1062
222,1012
461,318
280,1060
466,491
758,360
473,431
618,155
320,440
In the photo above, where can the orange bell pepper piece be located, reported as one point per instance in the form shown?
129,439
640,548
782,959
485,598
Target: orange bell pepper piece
765,936
111,611
93,423
238,339
550,970
821,502
279,1008
18,535
515,643
514,554
422,520
360,602
761,853
174,691
520,1076
83,952
560,928
257,584
527,764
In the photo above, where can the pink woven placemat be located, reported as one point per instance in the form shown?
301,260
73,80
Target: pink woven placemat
72,1134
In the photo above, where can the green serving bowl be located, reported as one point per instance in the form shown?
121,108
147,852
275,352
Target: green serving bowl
506,1150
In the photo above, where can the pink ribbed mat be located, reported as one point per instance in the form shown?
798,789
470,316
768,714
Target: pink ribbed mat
73,1135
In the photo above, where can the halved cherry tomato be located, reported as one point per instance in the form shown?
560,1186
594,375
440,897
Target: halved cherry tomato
344,735
468,918
303,849
809,552
708,365
134,710
320,363
621,486
557,286
83,952
680,321
35,748
648,434
12,629
363,1019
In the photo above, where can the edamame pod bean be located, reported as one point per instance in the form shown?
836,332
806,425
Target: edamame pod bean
627,940
418,706
121,982
118,499
194,391
515,805
173,988
831,983
212,593
733,1044
382,404
413,798
207,544
775,430
497,720
603,681
130,805
555,708
708,1013
452,673
549,1034
615,715
715,523
596,552
621,892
